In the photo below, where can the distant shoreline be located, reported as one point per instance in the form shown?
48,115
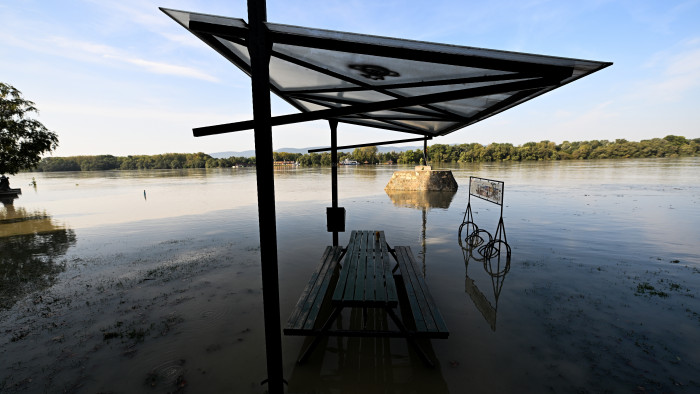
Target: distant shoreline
669,146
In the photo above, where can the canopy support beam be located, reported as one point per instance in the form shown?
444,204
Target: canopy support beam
425,151
260,48
339,112
368,144
334,172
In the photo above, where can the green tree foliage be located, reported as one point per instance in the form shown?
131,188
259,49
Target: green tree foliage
669,146
366,154
22,139
410,156
285,156
142,162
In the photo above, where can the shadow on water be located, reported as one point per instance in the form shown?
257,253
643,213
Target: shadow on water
30,242
366,365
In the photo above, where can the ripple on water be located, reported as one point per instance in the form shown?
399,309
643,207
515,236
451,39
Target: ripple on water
162,369
165,367
169,373
217,310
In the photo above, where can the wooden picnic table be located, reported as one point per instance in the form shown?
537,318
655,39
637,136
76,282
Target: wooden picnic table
364,275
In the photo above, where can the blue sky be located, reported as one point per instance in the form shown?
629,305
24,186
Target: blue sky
120,77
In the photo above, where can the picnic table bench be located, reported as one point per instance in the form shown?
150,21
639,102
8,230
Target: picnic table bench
363,275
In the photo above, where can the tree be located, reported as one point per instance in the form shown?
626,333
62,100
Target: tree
365,154
22,139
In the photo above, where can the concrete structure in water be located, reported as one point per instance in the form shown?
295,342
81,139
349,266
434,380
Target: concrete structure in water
422,178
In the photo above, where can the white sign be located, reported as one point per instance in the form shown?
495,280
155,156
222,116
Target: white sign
487,189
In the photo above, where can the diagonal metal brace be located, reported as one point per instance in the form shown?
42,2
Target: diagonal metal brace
335,113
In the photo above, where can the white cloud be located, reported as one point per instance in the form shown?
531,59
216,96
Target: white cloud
173,115
680,74
75,46
661,17
98,52
50,39
685,63
186,39
144,13
593,117
170,69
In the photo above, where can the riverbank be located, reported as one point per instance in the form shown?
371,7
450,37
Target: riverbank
438,154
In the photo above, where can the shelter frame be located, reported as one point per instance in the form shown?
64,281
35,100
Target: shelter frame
425,105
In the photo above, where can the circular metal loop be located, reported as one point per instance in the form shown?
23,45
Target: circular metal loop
477,238
495,249
470,228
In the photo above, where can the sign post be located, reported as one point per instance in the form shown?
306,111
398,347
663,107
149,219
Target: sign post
492,191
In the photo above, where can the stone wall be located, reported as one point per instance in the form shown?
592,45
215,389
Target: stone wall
422,178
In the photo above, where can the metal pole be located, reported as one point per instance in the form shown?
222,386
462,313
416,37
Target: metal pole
423,238
334,170
425,150
259,48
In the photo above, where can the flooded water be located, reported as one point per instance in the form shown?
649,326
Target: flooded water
150,281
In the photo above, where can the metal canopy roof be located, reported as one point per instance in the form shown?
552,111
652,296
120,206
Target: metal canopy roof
408,86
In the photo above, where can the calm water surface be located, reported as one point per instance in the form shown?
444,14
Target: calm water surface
150,281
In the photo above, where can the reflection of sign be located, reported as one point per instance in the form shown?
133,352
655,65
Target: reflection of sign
481,302
487,189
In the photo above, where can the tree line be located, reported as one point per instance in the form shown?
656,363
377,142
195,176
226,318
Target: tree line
669,146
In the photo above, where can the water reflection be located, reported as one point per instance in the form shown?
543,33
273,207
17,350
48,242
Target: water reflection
8,200
30,241
366,365
423,200
496,268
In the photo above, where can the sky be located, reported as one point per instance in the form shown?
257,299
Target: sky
120,77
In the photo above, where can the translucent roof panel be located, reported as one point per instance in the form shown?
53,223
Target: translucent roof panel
415,87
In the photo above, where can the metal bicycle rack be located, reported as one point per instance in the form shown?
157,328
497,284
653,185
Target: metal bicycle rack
487,246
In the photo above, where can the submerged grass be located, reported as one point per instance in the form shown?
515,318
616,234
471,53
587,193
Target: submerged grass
646,288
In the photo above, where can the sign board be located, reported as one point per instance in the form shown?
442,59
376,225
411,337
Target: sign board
486,189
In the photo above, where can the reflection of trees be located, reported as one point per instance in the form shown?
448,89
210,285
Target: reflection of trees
29,244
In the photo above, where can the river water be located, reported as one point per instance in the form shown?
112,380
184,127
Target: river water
149,281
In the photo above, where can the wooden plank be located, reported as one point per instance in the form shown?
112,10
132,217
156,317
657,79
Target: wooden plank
368,290
313,303
343,277
376,282
301,310
389,284
428,306
325,281
420,289
410,291
434,311
351,267
366,245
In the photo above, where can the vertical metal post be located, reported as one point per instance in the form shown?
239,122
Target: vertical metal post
259,47
423,237
425,149
334,170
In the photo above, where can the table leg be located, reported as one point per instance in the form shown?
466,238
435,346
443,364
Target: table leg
319,336
409,338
